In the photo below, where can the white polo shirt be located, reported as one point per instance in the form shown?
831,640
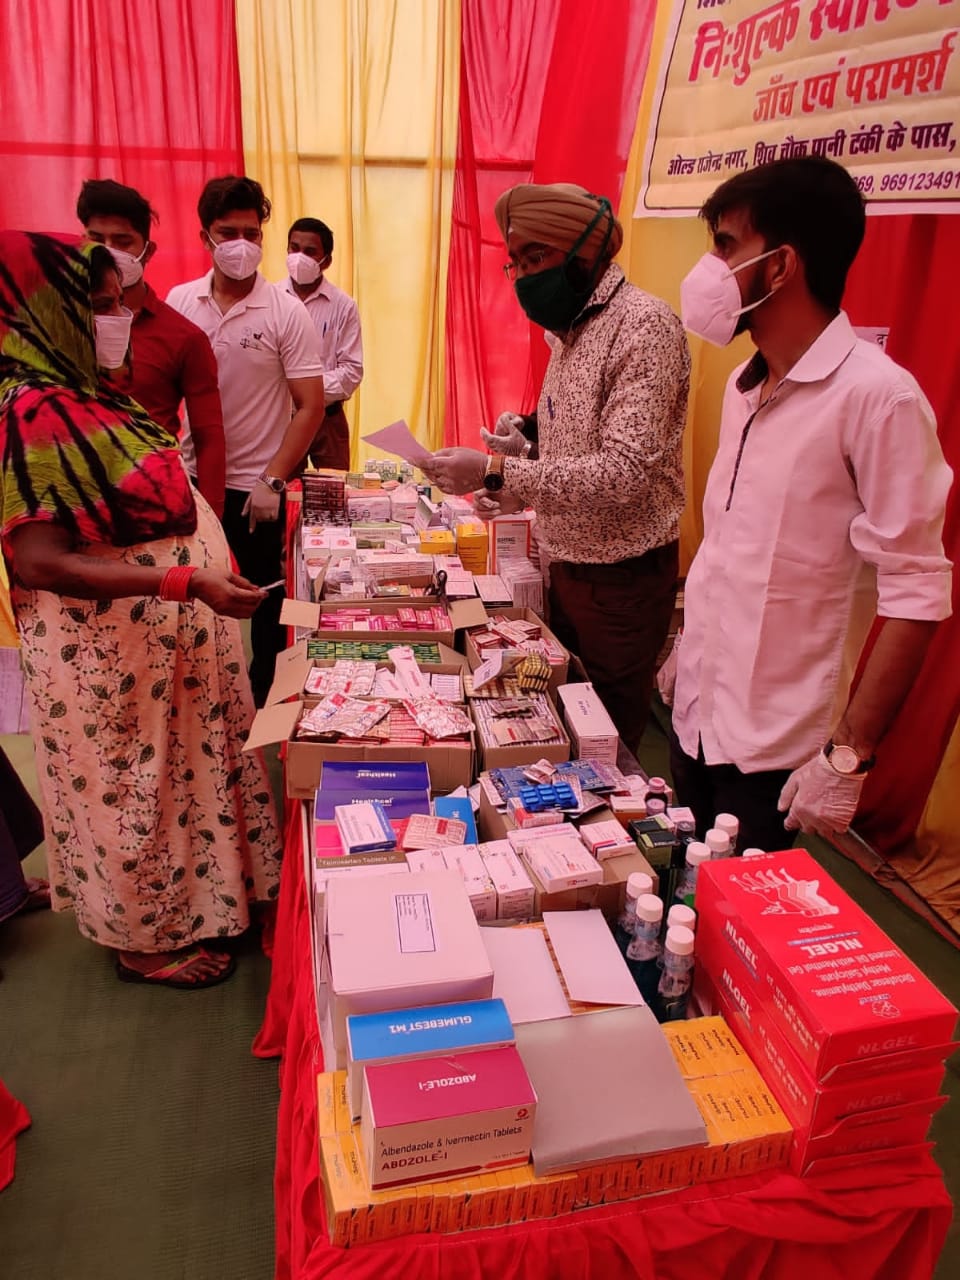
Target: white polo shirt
336,319
260,344
823,509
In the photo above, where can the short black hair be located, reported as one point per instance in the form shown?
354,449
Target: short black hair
231,194
808,202
101,261
104,198
317,228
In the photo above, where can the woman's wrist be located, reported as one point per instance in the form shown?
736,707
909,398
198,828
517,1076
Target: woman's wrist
176,584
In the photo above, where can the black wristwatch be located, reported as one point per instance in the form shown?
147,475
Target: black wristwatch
844,760
493,476
274,483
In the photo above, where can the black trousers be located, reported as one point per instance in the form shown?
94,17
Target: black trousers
709,789
615,617
259,557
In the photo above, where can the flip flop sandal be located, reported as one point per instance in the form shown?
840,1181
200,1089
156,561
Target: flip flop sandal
168,975
38,896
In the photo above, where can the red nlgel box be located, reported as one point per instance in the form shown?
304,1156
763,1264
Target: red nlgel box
816,965
837,1121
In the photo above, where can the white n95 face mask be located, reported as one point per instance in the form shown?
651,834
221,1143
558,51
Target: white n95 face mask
113,338
710,302
303,269
130,267
237,259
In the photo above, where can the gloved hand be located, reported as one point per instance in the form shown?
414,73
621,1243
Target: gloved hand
667,675
819,799
455,470
506,437
262,505
490,505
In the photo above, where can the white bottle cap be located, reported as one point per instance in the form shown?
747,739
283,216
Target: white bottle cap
718,842
658,784
697,853
753,853
728,823
638,882
650,908
681,915
680,940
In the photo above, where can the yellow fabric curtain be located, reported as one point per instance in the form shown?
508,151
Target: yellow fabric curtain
350,116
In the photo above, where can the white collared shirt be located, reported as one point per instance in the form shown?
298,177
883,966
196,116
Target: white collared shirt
336,319
261,343
822,508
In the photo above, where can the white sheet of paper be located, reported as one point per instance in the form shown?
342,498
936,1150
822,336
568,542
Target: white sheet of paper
399,440
589,959
488,670
523,974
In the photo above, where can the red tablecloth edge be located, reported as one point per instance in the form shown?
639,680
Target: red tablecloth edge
14,1118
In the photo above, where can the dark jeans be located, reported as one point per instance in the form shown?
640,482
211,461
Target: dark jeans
709,789
259,557
615,617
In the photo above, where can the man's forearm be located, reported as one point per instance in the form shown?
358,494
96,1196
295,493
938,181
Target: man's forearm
299,436
888,677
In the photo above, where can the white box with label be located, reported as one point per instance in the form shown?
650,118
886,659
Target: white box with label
400,942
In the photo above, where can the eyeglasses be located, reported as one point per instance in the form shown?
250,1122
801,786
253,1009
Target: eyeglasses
528,262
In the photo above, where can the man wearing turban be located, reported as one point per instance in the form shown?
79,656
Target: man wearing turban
607,481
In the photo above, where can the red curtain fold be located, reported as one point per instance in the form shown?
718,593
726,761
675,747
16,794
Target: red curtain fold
905,278
546,95
147,94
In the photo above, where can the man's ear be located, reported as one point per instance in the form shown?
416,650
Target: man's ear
787,266
148,253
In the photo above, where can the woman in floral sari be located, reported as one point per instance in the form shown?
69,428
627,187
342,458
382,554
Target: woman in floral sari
159,831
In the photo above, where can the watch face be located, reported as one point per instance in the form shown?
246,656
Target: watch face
493,481
844,760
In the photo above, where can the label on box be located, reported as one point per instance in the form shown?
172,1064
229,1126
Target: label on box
414,922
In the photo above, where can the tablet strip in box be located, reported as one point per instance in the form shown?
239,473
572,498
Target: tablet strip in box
445,1117
405,1035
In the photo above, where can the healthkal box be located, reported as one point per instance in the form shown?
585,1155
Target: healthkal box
819,969
446,1117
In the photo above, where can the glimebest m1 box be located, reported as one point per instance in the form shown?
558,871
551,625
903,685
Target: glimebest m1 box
402,1036
446,1117
832,982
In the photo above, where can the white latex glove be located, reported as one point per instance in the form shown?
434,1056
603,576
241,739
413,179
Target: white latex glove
490,505
262,505
456,470
667,675
506,437
819,799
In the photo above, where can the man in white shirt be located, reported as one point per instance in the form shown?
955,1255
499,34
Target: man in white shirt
336,319
824,508
271,387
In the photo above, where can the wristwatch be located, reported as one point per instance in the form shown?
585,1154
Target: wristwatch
274,483
845,760
493,476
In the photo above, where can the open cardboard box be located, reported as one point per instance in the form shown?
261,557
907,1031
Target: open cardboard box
521,753
558,674
293,666
463,613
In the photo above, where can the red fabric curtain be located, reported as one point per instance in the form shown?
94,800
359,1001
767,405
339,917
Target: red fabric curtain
548,93
905,278
147,94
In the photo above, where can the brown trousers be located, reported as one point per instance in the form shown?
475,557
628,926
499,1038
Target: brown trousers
616,618
331,445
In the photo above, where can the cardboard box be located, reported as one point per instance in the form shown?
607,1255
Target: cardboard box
593,734
496,757
514,888
433,1030
463,613
558,673
819,969
561,864
446,1116
293,667
398,943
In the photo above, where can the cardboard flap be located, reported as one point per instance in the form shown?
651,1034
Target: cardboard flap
272,725
290,674
300,613
467,613
589,958
450,657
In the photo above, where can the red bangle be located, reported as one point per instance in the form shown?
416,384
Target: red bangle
175,584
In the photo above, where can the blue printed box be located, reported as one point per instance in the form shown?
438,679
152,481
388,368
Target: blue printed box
367,779
408,1034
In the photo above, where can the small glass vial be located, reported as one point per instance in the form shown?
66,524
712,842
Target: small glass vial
718,842
731,825
645,943
677,975
697,855
638,883
683,915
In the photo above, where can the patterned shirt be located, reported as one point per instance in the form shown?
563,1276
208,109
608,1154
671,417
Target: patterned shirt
608,484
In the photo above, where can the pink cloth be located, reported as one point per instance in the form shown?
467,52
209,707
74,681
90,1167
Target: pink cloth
14,1118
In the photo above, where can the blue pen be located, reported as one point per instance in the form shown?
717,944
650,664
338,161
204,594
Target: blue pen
324,328
550,407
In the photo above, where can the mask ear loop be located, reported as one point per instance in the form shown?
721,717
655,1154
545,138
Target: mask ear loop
604,208
749,263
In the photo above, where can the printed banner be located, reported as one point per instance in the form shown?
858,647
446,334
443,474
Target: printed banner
873,84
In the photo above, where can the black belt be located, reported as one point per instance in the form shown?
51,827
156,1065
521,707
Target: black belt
335,408
623,570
